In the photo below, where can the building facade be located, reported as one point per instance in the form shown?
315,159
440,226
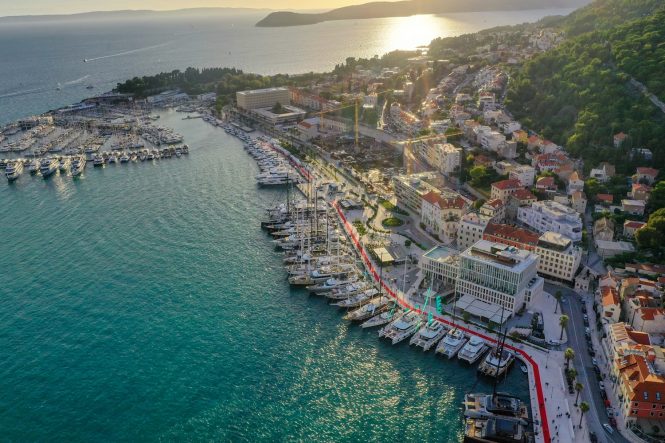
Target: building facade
551,216
262,98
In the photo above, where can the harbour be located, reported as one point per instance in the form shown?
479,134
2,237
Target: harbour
213,310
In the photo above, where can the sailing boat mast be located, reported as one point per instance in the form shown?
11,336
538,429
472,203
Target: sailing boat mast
500,347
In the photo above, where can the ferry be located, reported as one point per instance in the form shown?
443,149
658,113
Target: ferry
48,166
14,170
451,343
473,350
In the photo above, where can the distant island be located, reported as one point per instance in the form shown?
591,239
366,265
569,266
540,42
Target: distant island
410,7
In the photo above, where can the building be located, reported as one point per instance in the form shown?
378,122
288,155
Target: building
504,189
546,184
409,189
607,249
494,210
640,191
619,139
603,229
630,227
633,207
442,265
603,173
575,183
559,258
451,158
262,98
521,197
499,275
308,128
551,216
470,230
578,202
525,174
645,175
641,389
441,214
611,304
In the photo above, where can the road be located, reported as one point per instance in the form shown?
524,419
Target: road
597,414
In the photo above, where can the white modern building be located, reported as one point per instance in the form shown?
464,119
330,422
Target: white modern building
551,216
499,275
470,230
409,189
525,174
263,98
451,158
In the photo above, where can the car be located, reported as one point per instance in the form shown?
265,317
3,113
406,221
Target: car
613,422
603,394
584,312
593,438
608,428
592,352
602,385
594,362
585,317
587,331
596,369
609,412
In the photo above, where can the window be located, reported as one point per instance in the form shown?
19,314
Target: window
646,395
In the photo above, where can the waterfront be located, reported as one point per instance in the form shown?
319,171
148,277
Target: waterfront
144,302
53,52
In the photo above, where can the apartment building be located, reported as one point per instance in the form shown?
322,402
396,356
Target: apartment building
551,216
263,98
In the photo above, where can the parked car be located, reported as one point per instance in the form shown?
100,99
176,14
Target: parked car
592,352
594,362
613,422
602,385
584,311
604,395
608,428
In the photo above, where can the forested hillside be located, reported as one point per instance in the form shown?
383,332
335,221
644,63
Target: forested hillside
579,94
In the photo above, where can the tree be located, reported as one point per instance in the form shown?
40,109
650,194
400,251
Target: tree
568,354
578,387
563,322
584,408
479,203
277,108
558,295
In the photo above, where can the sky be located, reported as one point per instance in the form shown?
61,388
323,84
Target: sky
39,7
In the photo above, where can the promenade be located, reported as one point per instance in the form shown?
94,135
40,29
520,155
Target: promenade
554,416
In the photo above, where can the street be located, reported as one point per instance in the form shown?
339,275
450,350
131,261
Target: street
597,414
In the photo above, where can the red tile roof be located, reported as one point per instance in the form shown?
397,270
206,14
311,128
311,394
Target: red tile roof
641,383
610,296
648,171
496,203
511,233
507,184
633,224
545,182
607,198
524,194
444,203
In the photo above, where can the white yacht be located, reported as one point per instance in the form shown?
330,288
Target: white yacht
451,343
113,159
78,165
33,167
63,164
331,284
48,166
496,363
346,291
429,335
124,158
473,350
401,328
358,299
14,170
368,310
383,318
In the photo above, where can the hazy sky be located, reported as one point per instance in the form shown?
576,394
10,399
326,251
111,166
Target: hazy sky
32,7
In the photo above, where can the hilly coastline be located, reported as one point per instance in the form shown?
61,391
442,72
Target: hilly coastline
408,8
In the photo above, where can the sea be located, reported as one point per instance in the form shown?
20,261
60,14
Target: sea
142,302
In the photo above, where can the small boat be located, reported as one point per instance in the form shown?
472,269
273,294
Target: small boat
63,164
113,159
48,166
523,368
33,167
124,158
497,362
98,160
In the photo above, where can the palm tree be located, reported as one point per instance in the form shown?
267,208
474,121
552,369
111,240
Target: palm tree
578,387
563,322
572,373
558,296
584,407
568,354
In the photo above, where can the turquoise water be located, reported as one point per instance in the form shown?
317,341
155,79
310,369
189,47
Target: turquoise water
143,302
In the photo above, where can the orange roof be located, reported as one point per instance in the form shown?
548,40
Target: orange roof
650,314
641,382
610,296
545,182
496,203
444,203
639,337
575,176
507,184
620,136
633,224
609,198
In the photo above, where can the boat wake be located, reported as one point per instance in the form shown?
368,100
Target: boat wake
77,81
24,92
132,51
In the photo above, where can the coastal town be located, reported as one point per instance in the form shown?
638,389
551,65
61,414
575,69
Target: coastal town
427,211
